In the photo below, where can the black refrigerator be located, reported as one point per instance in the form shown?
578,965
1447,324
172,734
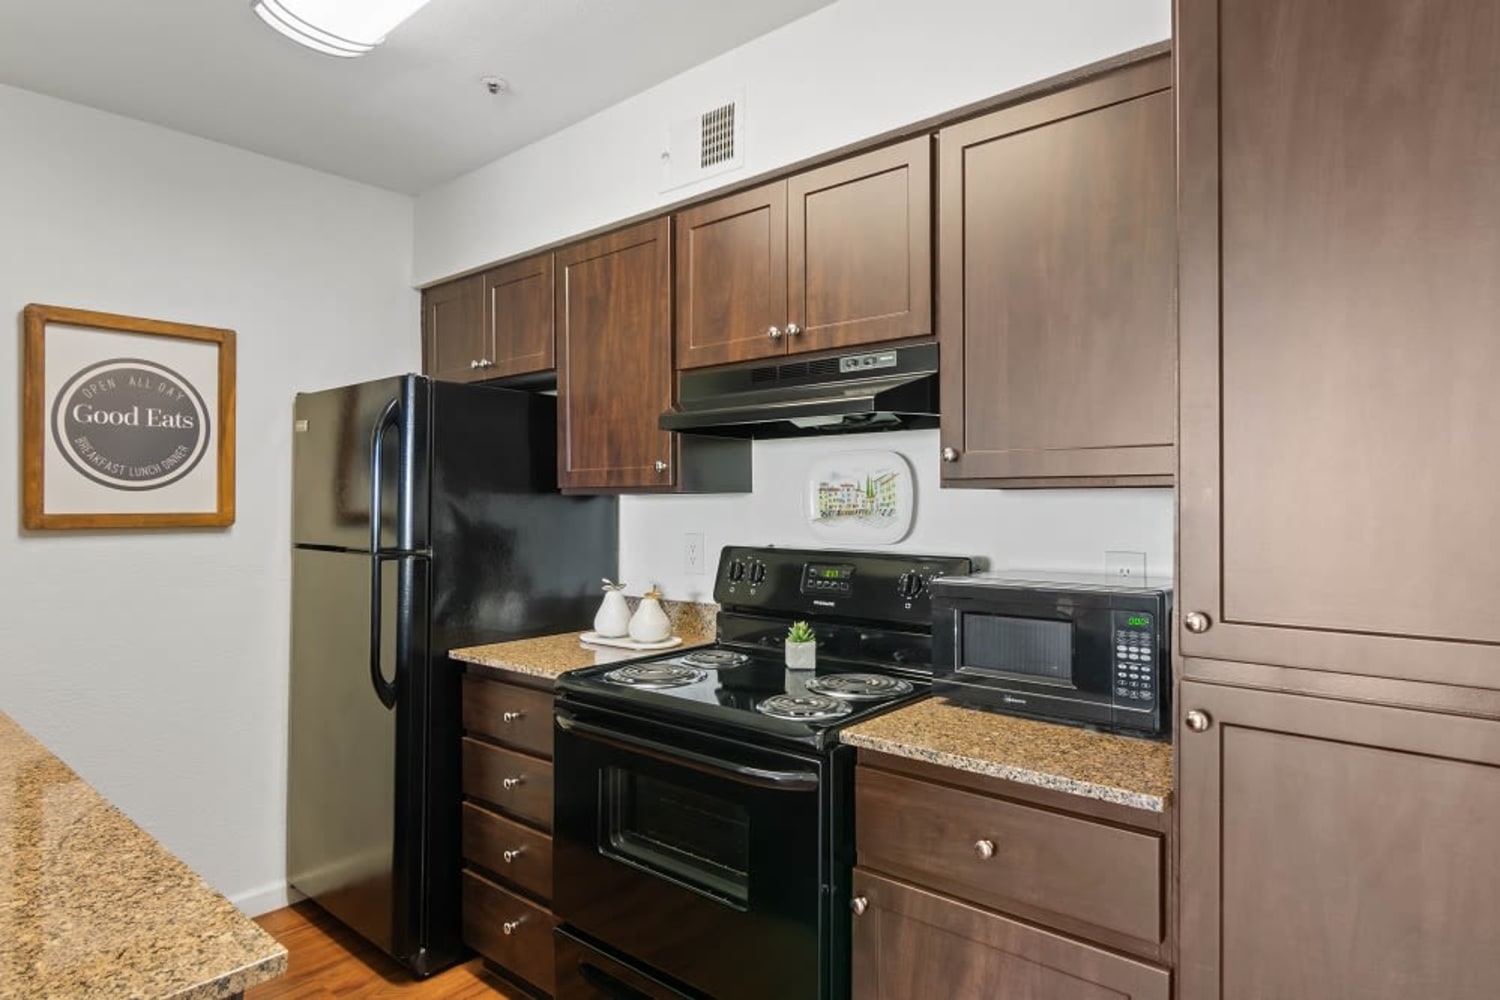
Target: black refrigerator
425,517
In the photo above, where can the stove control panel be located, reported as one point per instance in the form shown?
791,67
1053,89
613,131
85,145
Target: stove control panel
881,586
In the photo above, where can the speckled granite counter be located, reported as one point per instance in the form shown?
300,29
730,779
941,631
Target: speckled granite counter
92,907
550,655
1120,769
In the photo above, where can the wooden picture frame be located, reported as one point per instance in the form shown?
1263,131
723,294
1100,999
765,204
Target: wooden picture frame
126,422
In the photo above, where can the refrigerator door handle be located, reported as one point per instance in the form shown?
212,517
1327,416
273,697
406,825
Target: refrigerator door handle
389,417
384,690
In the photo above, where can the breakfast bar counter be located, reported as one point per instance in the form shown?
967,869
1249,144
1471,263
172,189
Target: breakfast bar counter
91,906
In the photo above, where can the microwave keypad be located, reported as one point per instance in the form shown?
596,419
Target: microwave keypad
1134,668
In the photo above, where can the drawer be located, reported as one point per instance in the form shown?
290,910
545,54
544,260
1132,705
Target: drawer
517,716
585,973
1038,862
903,936
514,852
513,782
509,931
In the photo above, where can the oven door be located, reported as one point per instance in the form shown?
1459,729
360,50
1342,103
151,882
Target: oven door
696,856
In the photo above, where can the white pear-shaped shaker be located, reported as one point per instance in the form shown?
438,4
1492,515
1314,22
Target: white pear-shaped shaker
649,623
613,617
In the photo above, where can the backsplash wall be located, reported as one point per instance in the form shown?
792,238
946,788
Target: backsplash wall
1031,529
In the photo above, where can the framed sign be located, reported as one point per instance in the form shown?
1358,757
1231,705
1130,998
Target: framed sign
127,422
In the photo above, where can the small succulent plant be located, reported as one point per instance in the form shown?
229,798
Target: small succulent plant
801,632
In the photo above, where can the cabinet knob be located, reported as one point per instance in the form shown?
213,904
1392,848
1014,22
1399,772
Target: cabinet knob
510,783
660,467
774,333
510,716
511,926
511,855
950,454
473,365
984,849
1197,622
1197,721
792,329
486,363
859,905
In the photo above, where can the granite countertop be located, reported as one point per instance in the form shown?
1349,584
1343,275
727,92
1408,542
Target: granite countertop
1121,769
551,655
92,907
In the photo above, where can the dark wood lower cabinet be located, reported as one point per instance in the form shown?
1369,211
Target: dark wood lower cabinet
911,943
1336,850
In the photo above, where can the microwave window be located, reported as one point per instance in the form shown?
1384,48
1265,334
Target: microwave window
700,840
1033,648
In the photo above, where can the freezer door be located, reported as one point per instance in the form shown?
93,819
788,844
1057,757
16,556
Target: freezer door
345,443
353,824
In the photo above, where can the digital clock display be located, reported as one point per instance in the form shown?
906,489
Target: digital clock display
1138,621
816,572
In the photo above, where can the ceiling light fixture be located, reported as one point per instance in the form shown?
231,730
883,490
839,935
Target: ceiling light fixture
344,28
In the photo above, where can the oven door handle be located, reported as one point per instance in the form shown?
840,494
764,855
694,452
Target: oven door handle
743,773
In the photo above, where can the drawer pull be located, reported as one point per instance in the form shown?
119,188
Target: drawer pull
511,716
511,783
859,905
511,856
984,849
511,926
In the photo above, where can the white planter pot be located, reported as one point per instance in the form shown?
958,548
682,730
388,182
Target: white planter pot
801,655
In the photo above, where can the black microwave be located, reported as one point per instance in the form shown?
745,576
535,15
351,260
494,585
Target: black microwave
1076,648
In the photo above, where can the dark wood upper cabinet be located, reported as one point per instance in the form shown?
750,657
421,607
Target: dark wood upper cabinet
1057,262
518,317
1340,241
1334,849
731,278
614,359
453,339
835,257
859,249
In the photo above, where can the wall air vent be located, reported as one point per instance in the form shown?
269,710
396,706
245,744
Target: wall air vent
704,142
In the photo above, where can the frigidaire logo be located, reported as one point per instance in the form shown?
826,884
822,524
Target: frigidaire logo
130,424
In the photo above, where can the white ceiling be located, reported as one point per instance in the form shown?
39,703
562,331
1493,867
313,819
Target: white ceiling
407,116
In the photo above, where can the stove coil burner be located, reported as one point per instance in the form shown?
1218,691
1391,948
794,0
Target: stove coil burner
859,687
803,707
718,659
654,675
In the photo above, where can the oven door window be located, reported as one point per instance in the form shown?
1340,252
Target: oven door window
690,837
1036,649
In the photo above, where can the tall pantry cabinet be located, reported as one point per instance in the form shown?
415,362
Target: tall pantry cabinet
1339,579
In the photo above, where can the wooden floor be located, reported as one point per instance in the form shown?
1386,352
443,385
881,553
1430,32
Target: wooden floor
328,960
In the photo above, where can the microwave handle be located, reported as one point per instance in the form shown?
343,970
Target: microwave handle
783,780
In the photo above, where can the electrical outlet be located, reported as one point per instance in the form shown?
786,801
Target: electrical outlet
692,553
1126,567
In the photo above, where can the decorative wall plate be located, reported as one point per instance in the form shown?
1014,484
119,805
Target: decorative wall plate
863,497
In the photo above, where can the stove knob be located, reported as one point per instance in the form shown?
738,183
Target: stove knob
757,573
736,571
910,584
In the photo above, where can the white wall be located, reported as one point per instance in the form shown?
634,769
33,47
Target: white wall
1016,529
155,662
843,73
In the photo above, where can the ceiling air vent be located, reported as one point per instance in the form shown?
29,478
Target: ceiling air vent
704,142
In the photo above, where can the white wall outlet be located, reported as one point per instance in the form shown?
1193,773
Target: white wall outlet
1126,567
692,553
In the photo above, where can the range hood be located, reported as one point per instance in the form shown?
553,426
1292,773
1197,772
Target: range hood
890,389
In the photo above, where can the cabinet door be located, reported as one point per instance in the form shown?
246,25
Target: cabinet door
1340,246
518,317
1057,257
908,943
859,249
453,337
614,364
1336,850
731,278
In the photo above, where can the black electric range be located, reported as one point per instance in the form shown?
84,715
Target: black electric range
704,805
